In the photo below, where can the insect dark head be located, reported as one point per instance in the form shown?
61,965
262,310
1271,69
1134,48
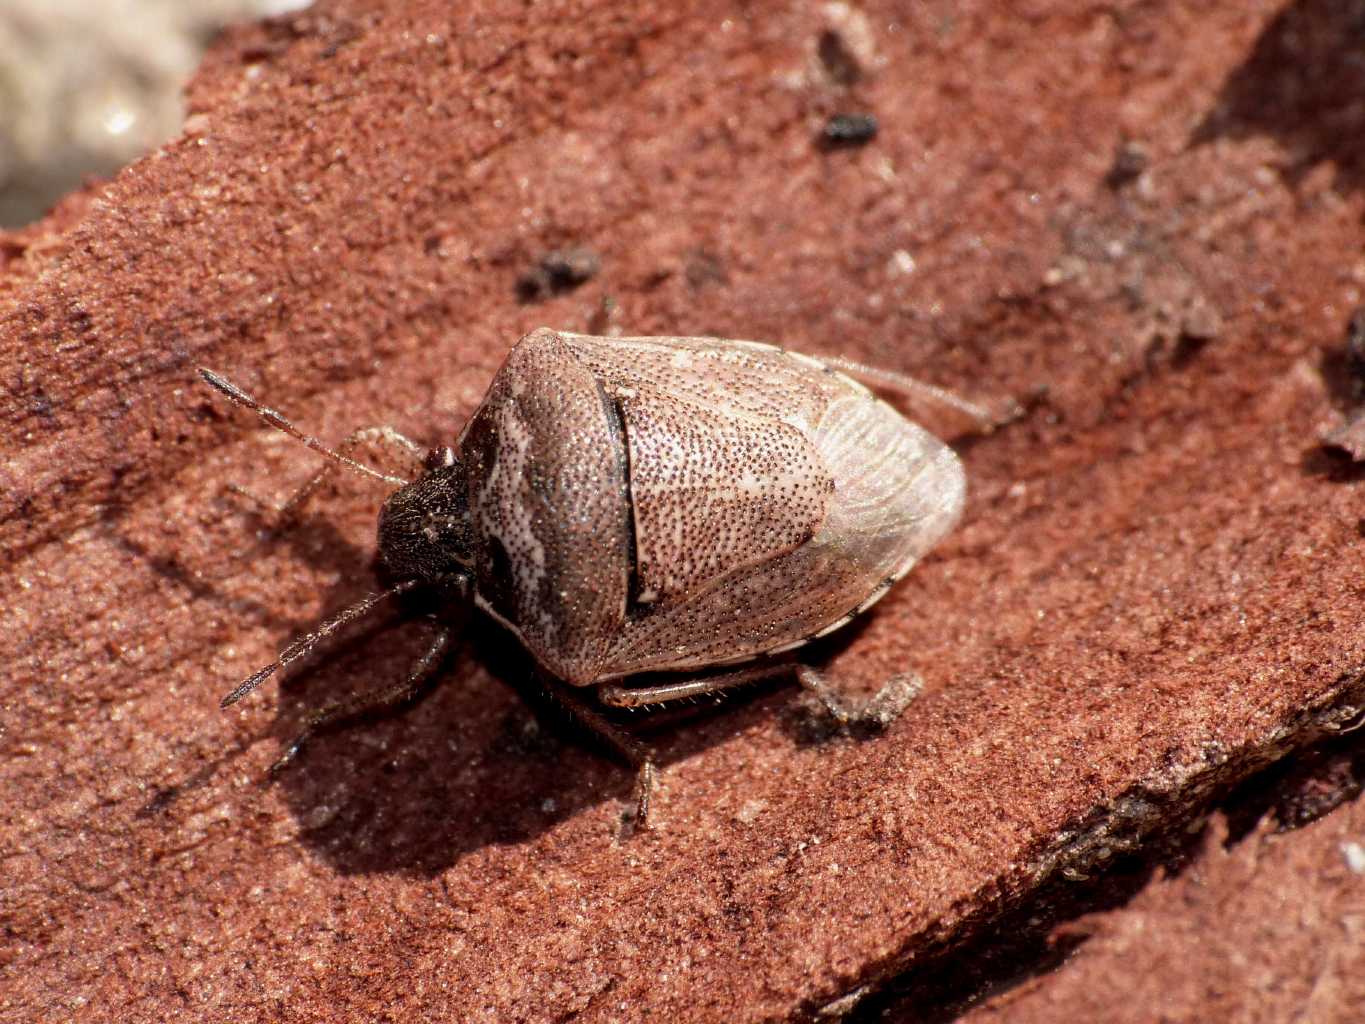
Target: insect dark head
424,530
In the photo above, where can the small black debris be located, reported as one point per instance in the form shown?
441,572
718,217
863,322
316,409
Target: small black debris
848,130
557,272
1130,161
1349,435
1355,342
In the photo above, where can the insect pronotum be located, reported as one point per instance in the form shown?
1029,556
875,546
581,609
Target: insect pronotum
643,505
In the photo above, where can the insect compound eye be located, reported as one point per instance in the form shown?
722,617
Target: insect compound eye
439,458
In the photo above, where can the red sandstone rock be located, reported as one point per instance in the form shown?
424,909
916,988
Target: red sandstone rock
1156,590
1264,929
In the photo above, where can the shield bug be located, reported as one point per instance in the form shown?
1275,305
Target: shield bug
652,505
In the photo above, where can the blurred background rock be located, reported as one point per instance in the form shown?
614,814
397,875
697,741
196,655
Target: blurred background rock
86,86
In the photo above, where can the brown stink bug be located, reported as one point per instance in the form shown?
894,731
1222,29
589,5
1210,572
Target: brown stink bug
644,505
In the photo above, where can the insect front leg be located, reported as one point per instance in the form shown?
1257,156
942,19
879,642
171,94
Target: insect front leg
884,707
288,510
362,703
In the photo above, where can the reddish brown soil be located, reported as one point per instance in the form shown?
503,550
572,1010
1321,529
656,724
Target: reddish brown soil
1144,218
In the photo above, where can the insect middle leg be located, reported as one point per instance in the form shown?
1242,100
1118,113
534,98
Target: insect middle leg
878,712
289,509
626,746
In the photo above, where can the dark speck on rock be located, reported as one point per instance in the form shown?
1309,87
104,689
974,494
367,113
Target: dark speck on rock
1355,342
847,130
559,271
1130,161
838,59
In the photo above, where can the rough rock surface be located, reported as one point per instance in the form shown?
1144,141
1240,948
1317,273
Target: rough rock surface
1271,928
1143,218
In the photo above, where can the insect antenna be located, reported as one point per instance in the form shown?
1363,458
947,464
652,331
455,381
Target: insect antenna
298,648
277,420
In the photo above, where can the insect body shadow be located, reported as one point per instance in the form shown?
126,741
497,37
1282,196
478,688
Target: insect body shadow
479,758
1301,85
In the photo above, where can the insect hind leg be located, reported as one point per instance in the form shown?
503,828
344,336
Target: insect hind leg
986,417
690,689
874,714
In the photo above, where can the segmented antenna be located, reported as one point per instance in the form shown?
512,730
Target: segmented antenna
276,420
298,648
